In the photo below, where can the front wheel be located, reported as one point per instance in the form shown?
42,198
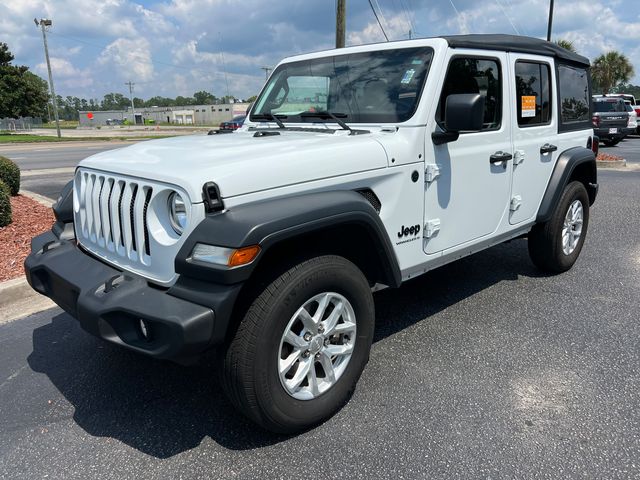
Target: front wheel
302,345
554,246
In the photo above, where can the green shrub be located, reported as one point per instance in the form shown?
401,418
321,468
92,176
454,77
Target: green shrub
5,205
10,175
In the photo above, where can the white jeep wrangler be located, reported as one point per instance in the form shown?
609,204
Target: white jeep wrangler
356,169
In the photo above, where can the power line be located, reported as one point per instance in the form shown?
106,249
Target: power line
378,20
508,18
458,16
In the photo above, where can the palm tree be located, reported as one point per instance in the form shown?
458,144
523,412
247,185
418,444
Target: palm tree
566,44
610,69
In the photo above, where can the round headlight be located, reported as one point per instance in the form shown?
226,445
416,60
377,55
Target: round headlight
177,213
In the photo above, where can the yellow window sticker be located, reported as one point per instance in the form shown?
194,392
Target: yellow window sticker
528,106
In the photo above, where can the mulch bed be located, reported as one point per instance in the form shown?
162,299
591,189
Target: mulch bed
607,157
30,218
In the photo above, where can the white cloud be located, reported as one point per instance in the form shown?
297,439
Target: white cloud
132,58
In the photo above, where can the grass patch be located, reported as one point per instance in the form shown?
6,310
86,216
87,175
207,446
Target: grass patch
41,139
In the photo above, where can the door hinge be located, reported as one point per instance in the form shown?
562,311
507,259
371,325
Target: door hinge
431,172
518,157
431,227
516,201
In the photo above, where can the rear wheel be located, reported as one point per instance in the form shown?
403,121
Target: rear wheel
611,142
554,246
302,345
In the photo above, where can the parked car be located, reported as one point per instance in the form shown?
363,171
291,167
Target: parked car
610,119
357,169
233,124
632,126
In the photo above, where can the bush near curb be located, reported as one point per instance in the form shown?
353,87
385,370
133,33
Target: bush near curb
10,175
5,204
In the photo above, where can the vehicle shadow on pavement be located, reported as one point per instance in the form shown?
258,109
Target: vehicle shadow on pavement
163,409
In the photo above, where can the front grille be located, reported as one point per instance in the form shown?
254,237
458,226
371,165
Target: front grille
113,215
124,221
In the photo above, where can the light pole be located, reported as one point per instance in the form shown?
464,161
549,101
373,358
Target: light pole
550,21
45,22
266,72
133,109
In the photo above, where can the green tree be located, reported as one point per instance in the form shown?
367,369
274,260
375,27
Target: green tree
251,99
204,98
22,94
566,44
610,70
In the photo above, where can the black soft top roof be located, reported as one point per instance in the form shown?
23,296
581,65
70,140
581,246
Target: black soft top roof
515,43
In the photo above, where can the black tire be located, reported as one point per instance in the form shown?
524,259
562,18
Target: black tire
545,239
249,372
612,142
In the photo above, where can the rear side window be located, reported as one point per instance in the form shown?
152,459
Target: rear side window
475,75
574,97
533,95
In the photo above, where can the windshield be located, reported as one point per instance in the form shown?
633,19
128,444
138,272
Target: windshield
370,87
609,106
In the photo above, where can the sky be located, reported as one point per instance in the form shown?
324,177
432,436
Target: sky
177,47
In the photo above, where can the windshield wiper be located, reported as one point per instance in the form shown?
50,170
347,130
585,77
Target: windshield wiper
270,116
326,115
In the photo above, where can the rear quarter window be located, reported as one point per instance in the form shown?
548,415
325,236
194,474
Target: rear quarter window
574,98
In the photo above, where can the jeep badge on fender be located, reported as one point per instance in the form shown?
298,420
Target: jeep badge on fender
408,231
266,244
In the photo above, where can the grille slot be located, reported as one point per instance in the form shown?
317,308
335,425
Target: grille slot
372,198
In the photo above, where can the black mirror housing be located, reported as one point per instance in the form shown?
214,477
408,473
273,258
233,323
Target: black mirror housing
464,112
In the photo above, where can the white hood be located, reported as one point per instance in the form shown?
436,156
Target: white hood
240,163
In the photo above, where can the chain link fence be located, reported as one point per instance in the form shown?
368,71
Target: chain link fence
23,124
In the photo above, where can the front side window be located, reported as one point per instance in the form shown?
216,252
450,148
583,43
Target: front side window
368,87
533,96
474,75
574,94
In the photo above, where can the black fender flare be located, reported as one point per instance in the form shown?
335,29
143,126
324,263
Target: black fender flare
567,163
269,222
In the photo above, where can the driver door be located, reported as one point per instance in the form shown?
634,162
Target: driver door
469,196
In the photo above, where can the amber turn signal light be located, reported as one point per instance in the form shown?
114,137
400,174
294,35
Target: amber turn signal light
243,255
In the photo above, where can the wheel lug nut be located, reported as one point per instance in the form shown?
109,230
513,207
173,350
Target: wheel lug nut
306,354
307,337
317,355
320,329
326,342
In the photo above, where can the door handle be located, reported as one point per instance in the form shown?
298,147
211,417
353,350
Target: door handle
547,148
500,157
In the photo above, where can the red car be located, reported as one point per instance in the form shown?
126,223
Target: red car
233,124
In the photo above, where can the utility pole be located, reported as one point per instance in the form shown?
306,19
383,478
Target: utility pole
45,22
266,72
550,21
133,108
341,23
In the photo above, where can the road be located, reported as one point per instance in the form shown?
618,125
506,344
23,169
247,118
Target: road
47,167
481,369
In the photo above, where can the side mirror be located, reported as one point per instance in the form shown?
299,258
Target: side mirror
464,112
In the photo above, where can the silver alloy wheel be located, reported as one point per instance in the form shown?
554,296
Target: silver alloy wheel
317,345
572,227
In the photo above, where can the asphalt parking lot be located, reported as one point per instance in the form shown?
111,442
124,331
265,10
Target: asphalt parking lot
481,369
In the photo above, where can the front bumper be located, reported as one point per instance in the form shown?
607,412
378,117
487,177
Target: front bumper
176,323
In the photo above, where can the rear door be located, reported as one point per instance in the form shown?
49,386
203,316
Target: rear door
535,127
469,196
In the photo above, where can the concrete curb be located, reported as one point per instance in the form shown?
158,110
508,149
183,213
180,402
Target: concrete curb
18,299
47,202
611,164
